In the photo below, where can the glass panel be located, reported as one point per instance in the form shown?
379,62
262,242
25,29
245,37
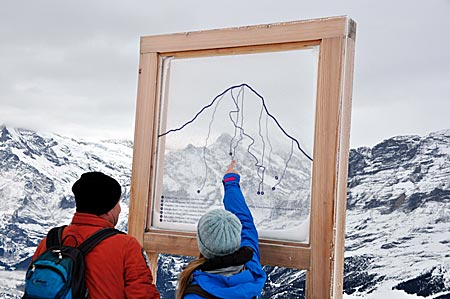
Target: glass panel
255,108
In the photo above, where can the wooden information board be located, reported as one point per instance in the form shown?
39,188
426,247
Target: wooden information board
332,40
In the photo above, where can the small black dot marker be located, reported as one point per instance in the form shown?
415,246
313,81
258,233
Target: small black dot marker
276,177
258,193
273,188
198,191
231,154
162,196
262,192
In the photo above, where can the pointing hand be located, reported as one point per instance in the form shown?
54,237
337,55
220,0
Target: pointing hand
231,168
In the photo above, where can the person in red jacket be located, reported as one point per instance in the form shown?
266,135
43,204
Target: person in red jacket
118,266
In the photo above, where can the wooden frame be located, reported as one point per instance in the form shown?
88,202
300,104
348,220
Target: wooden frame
323,257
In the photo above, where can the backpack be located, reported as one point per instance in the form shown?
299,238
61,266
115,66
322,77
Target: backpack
59,271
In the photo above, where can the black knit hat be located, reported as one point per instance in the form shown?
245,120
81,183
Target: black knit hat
96,193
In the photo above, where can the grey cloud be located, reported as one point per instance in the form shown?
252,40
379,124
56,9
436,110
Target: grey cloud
72,65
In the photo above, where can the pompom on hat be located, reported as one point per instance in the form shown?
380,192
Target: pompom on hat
96,193
218,233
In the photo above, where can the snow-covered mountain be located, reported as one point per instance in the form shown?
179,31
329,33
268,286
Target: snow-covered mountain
398,219
36,175
276,186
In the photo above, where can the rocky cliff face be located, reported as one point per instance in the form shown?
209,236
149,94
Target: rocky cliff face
36,175
398,218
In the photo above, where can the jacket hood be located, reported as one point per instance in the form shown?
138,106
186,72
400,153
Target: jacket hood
244,285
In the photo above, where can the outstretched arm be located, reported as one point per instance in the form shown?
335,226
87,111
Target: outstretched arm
234,202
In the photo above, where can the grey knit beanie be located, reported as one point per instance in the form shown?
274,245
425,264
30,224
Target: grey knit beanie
218,233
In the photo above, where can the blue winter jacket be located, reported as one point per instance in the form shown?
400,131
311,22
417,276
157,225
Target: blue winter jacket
250,282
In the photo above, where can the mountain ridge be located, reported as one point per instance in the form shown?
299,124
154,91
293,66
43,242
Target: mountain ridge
398,218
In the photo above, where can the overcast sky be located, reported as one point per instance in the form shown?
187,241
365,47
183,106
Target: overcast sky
70,67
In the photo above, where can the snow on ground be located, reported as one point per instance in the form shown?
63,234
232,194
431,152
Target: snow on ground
11,284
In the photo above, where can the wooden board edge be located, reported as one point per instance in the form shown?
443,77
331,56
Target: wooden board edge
276,33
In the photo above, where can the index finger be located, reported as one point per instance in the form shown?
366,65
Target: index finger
231,166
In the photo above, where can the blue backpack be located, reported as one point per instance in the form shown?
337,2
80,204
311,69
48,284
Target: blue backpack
59,271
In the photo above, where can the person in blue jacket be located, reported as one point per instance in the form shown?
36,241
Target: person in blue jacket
229,263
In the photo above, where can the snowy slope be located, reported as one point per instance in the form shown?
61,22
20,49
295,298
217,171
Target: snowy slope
398,215
37,172
398,218
189,170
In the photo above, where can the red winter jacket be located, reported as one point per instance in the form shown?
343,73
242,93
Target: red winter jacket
116,268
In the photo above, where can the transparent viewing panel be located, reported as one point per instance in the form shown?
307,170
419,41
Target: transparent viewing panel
255,108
